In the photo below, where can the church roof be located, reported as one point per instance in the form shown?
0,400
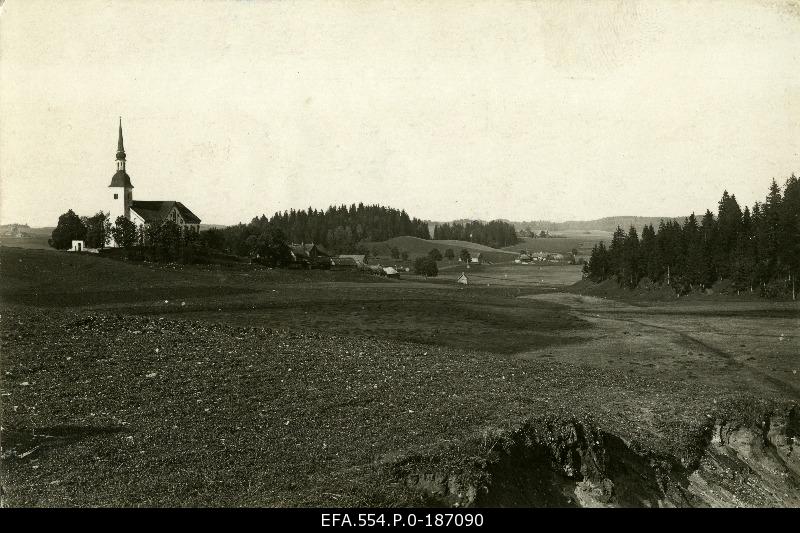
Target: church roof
157,210
121,179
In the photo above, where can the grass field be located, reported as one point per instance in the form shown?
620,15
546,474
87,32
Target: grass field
142,384
417,247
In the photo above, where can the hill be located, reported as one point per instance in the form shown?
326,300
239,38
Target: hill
602,224
564,243
417,247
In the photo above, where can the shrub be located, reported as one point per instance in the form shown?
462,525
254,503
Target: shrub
426,266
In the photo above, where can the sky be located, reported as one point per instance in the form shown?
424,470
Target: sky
559,110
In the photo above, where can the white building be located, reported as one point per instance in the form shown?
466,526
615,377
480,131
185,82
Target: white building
143,212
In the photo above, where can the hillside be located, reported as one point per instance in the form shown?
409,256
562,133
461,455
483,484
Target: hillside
562,244
603,224
417,247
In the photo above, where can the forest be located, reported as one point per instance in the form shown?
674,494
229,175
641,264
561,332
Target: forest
754,250
339,228
496,233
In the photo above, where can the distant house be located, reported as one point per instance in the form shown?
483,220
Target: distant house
310,255
343,263
77,246
476,259
524,258
463,279
360,260
391,272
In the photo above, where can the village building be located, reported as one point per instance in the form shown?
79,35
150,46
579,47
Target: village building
360,260
143,212
309,255
343,263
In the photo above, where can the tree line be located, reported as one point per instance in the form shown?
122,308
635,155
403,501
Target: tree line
755,250
496,233
339,228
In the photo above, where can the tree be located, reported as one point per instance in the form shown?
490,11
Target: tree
213,238
435,254
270,247
98,230
464,255
449,254
124,232
404,255
426,266
69,228
395,253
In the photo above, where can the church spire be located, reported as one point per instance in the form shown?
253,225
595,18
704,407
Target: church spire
120,147
121,178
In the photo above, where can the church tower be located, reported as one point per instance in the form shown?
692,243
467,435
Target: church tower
121,194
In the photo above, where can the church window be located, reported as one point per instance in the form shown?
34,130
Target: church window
116,196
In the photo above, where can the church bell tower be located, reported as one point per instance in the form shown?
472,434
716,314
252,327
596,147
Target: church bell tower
121,194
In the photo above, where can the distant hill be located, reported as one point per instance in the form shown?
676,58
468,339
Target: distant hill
23,230
608,224
417,247
602,224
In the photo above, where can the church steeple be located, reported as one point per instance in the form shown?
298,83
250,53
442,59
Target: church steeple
120,147
121,178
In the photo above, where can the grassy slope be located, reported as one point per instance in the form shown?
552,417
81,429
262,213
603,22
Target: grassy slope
417,247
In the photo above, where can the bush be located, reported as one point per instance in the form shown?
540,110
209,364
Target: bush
426,266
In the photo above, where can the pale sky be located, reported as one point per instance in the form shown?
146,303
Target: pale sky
449,109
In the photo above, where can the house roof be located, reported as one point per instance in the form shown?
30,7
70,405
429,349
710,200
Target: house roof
356,258
344,261
121,179
157,210
306,248
299,250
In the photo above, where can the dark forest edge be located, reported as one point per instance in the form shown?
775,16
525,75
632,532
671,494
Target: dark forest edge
756,250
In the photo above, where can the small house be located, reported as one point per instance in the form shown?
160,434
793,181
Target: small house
343,263
391,273
462,279
360,260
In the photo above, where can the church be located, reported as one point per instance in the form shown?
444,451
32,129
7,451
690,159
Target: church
143,212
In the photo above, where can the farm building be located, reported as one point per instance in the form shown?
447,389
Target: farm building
360,260
310,255
143,212
391,272
343,263
462,279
